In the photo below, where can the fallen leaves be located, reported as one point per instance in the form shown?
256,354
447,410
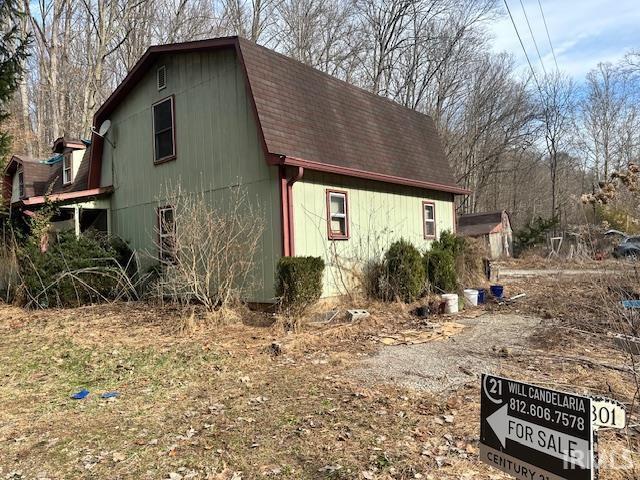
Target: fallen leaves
416,337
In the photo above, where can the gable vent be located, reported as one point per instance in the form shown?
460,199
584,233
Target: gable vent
162,77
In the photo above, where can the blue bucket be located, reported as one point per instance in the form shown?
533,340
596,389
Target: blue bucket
481,294
497,290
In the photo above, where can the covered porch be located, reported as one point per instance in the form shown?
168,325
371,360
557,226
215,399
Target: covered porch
75,211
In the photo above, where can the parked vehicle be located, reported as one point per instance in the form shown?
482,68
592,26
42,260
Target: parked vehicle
629,247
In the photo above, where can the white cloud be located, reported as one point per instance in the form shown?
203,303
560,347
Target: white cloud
583,32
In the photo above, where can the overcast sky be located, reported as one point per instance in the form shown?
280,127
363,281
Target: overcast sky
583,32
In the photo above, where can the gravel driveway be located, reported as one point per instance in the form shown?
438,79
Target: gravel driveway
442,365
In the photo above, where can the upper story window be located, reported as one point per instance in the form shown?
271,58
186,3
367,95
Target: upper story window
67,169
164,133
337,215
429,219
162,77
167,234
20,183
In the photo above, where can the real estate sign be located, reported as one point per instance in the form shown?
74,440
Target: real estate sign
534,433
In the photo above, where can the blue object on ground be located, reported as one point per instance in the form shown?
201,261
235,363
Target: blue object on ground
110,395
481,292
497,290
631,303
80,395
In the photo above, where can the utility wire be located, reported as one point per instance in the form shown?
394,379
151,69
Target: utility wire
535,77
548,36
533,37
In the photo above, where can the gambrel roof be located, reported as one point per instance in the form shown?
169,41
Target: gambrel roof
310,119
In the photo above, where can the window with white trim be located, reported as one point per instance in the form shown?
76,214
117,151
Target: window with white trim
337,215
429,219
67,169
164,145
167,234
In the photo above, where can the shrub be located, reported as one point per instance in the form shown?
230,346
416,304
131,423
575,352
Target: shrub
73,271
122,252
450,242
299,281
440,261
440,266
404,270
534,234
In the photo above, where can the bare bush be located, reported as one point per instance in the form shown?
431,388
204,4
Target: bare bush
596,308
209,248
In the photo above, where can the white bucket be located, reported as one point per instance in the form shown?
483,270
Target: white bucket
451,302
471,295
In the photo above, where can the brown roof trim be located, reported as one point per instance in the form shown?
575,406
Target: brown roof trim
15,159
18,159
140,68
63,142
61,197
352,172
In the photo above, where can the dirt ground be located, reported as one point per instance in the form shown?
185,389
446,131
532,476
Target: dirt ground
247,400
483,346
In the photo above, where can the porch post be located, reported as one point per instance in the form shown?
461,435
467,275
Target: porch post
76,220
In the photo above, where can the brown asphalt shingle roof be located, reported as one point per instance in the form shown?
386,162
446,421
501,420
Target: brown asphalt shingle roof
473,224
310,115
43,179
36,176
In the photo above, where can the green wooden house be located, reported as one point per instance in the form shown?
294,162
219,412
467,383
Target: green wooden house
338,172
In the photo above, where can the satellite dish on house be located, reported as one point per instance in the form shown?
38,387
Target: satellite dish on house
104,128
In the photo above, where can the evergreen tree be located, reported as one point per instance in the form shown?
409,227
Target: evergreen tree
13,51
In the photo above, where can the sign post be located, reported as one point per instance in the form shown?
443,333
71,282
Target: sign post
534,433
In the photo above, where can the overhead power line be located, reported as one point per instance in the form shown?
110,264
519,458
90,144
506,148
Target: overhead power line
533,37
548,36
535,77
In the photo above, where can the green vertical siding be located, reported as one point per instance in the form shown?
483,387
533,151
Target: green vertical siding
217,146
378,214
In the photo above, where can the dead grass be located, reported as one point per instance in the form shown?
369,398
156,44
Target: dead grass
536,260
208,401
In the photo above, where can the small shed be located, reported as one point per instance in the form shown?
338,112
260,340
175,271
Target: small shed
493,227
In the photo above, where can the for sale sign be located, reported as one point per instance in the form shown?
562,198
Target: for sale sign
534,433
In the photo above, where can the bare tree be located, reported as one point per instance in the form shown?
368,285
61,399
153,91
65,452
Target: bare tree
385,25
557,107
319,33
250,18
609,119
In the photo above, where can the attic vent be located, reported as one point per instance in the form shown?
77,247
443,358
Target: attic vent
162,77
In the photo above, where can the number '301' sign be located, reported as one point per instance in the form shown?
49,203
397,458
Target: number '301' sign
606,412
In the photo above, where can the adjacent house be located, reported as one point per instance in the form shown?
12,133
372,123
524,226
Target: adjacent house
62,178
337,171
494,228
